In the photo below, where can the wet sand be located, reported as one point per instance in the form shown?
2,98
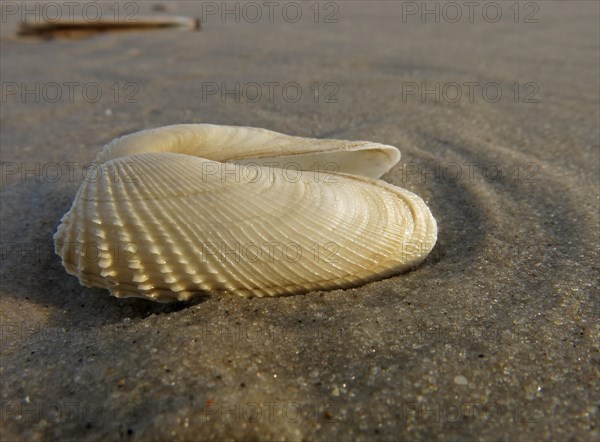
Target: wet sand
494,337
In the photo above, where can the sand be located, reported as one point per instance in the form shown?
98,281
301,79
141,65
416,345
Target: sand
494,337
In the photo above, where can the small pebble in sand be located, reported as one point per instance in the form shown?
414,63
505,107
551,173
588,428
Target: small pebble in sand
460,380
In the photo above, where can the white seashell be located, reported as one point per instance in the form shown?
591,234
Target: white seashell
201,210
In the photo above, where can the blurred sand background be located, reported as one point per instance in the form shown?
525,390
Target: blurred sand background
494,337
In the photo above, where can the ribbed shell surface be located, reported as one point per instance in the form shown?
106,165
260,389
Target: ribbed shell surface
168,226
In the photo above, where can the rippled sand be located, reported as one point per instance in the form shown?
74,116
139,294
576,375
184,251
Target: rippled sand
495,337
